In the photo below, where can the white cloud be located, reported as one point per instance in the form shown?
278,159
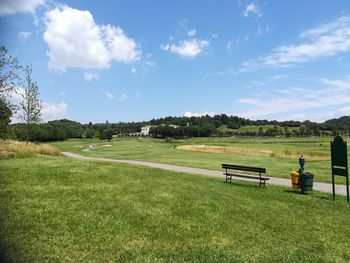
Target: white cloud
248,101
232,44
133,70
75,40
53,111
338,84
24,35
110,95
63,93
333,93
345,110
257,83
252,9
279,77
91,76
187,48
191,33
324,41
22,6
122,97
148,62
183,23
229,46
197,114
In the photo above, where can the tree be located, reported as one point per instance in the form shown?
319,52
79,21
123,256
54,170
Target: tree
31,105
5,115
286,131
9,77
106,134
302,130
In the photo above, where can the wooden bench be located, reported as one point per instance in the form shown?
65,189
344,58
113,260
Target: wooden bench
230,172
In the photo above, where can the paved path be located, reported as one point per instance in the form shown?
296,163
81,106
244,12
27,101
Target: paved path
322,187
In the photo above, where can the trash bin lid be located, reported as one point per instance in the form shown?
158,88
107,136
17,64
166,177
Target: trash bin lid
307,174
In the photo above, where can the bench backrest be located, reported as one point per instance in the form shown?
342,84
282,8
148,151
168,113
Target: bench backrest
243,168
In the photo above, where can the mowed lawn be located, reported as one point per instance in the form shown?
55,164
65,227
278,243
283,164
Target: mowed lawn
278,155
56,209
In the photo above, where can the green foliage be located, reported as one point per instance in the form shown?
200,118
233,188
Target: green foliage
106,134
5,115
89,133
163,131
57,130
30,107
9,75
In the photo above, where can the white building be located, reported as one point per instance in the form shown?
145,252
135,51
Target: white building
145,130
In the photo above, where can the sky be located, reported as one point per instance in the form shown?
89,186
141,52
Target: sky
137,60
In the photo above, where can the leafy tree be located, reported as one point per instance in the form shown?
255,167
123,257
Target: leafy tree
5,115
206,130
286,131
9,75
31,105
89,133
106,134
303,130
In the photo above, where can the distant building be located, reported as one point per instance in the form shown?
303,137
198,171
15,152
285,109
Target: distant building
145,130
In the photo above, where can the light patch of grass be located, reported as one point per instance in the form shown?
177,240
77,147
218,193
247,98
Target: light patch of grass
9,149
249,151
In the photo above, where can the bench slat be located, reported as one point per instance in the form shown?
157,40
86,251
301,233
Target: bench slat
248,176
244,168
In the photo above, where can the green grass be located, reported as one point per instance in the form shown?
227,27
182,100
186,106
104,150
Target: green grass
56,209
255,128
158,150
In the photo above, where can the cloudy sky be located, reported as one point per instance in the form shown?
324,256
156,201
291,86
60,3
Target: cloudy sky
137,60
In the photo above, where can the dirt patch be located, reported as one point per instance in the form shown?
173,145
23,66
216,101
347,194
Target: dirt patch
254,152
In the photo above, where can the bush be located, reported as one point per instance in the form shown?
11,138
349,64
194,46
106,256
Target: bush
10,148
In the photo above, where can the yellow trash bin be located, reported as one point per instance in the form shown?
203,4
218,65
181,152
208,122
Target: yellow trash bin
295,180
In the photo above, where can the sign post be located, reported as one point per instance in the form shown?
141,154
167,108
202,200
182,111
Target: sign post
340,167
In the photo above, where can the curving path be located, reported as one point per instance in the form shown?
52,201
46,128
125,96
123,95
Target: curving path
322,187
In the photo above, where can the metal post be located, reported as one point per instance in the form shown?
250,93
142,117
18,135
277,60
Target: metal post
347,188
333,187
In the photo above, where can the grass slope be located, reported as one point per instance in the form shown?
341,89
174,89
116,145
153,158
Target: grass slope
59,209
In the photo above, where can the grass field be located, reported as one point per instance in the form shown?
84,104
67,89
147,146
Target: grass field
255,128
56,209
278,155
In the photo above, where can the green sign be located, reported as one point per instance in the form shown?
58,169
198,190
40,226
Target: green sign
340,167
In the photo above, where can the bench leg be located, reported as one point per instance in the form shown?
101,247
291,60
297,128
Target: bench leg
262,183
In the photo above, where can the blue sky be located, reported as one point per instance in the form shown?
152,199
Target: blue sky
138,60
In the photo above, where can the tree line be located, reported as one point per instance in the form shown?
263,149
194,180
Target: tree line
58,130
